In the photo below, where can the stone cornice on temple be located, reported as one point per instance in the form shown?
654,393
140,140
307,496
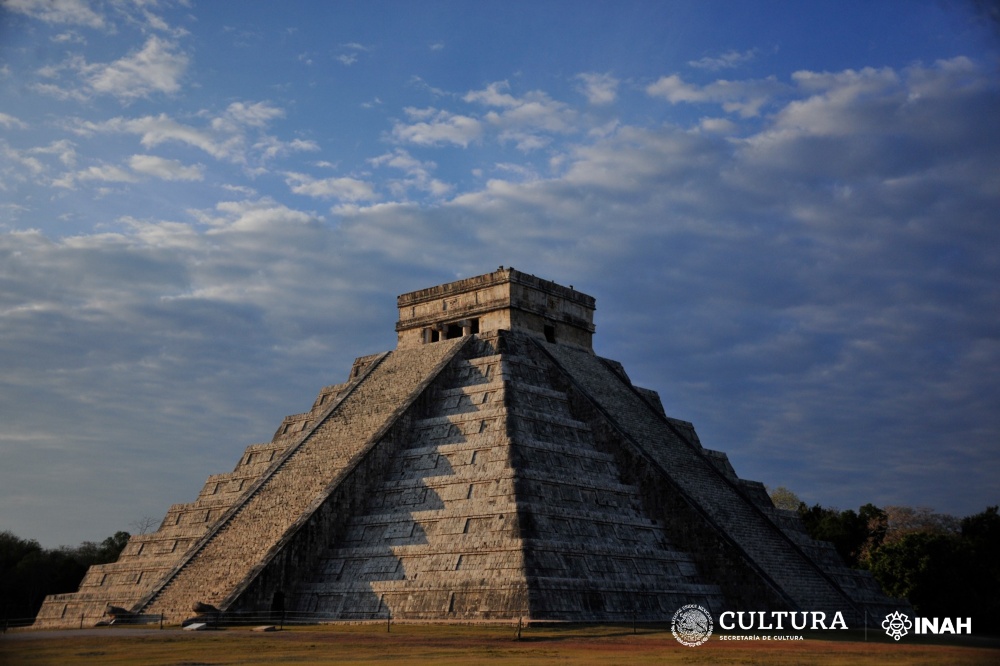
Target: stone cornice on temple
505,299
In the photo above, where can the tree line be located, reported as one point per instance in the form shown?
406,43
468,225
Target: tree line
943,565
29,572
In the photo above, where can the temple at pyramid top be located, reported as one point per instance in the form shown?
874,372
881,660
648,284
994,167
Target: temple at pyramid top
505,299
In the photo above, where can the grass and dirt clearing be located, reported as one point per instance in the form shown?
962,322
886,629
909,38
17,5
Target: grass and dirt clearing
464,644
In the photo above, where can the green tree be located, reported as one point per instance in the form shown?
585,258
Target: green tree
783,498
108,550
981,532
13,592
932,571
903,520
855,535
945,573
29,572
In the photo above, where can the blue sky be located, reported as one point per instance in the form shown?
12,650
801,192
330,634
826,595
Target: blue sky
786,211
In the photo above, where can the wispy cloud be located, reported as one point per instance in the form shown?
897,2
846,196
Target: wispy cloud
165,169
352,53
107,173
236,135
417,174
746,98
72,12
10,122
157,68
727,60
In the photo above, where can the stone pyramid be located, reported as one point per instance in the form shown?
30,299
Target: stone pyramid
490,467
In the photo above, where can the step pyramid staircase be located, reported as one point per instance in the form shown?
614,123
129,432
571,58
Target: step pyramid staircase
491,467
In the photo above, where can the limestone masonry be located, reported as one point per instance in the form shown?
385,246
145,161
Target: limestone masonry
491,467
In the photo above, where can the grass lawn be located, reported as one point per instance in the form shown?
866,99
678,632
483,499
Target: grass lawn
463,644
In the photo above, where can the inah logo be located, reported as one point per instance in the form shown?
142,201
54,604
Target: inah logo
692,625
896,625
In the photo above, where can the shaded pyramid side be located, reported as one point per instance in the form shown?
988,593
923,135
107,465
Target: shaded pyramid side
594,551
761,558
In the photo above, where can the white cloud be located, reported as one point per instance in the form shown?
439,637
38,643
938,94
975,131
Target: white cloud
63,149
727,60
418,82
74,12
599,88
895,127
343,189
10,122
19,162
69,38
105,173
523,173
31,165
269,147
743,97
155,130
348,59
241,189
493,95
165,169
418,174
158,67
527,121
237,135
718,125
673,89
242,114
437,127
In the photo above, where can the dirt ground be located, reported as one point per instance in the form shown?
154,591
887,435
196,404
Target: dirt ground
458,645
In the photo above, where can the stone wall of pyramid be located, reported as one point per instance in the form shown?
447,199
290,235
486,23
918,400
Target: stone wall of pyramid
488,476
500,505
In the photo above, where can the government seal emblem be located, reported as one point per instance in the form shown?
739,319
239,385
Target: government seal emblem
692,625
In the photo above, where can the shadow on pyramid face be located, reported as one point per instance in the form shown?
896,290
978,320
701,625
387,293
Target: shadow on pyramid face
440,520
396,540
